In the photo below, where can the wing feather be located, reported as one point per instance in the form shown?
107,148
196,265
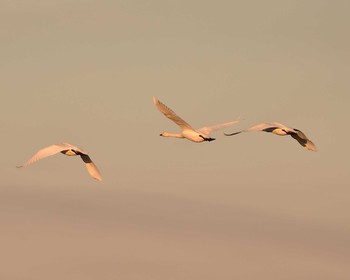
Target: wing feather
170,114
91,167
46,152
303,140
209,129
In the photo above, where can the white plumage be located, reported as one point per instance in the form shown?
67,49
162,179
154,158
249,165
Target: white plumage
281,130
195,135
69,150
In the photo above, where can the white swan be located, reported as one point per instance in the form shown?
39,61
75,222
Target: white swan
195,135
69,150
281,130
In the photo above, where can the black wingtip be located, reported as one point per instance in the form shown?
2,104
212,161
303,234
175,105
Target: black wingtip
231,134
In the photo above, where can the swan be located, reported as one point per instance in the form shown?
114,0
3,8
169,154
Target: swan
281,130
195,135
68,150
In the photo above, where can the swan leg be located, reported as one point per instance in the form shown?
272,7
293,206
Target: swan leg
207,139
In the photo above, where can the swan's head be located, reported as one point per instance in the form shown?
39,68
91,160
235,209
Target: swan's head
164,134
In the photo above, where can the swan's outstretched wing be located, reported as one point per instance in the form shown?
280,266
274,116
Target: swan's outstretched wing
270,127
257,127
303,140
91,167
170,114
48,151
299,136
208,129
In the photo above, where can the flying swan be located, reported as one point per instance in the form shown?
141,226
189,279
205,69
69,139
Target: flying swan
195,135
68,150
281,130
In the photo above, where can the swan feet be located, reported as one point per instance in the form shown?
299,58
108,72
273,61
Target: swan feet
207,139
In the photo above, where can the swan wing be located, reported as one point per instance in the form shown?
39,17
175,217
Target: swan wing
208,129
170,114
303,140
91,167
299,136
48,151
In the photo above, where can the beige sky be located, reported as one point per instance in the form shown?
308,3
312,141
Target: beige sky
254,206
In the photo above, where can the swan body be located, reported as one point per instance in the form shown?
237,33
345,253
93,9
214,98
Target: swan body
68,150
281,130
194,135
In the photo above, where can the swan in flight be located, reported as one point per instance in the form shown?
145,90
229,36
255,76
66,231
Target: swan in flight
68,150
281,130
195,135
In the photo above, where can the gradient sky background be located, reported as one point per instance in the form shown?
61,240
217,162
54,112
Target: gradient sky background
254,206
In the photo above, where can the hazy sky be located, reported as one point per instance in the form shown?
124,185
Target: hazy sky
253,206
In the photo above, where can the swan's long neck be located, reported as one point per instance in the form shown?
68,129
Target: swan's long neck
175,135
